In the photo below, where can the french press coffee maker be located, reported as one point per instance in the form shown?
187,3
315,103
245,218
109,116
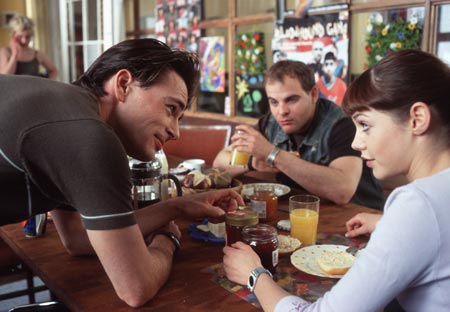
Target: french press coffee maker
147,179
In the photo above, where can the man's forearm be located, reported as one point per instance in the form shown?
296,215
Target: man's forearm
71,232
330,182
154,217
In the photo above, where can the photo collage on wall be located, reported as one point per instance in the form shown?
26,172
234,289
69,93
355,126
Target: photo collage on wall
321,41
178,23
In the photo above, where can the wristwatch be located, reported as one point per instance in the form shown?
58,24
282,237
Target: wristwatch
271,157
254,275
175,240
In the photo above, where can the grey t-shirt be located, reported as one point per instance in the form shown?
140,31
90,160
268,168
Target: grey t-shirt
55,151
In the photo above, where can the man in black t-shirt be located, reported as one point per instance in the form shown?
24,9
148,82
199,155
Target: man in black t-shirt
306,140
63,148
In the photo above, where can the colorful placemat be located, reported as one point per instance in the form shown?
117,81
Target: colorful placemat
296,282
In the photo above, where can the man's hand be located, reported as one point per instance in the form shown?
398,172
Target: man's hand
209,204
261,165
251,141
362,223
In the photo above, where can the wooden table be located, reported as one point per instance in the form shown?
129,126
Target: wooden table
81,283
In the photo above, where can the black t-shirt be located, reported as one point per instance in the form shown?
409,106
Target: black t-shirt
340,145
56,151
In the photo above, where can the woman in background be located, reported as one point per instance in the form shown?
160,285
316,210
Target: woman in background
401,109
19,58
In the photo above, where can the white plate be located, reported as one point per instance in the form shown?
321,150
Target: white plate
305,259
280,189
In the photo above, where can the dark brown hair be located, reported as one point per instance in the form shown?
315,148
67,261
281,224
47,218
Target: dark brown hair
293,69
147,60
400,80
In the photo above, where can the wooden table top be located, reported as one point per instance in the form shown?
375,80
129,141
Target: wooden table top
81,283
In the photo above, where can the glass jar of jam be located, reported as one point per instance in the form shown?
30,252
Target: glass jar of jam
235,221
264,241
264,202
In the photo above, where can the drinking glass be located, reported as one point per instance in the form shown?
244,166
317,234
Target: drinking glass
304,217
239,158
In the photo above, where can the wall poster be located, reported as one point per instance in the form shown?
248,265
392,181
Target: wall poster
321,41
178,23
212,64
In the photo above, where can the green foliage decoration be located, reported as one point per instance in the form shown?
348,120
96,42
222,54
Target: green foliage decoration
250,57
386,38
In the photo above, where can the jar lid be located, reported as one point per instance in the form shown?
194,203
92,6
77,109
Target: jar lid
242,217
259,232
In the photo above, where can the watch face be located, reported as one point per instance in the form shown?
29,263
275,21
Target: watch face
251,281
254,277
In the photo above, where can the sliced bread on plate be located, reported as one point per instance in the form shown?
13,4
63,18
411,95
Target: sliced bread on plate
335,263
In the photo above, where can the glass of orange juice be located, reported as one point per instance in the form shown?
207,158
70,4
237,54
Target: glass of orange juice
239,158
304,217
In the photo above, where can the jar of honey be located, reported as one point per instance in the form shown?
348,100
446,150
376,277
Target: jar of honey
235,221
264,202
263,238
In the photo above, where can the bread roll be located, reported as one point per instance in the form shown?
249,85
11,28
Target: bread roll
197,180
287,244
220,178
335,263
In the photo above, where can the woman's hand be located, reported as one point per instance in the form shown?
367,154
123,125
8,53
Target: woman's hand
15,46
238,261
362,223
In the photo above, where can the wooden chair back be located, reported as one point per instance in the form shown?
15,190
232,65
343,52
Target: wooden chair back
202,141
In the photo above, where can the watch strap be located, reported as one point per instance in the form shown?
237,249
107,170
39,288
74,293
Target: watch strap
175,240
254,275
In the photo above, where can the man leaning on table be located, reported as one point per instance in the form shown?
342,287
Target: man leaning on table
306,140
64,148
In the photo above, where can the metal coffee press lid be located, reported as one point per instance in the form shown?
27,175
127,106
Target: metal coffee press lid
145,170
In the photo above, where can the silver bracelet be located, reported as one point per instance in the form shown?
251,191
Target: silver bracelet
271,158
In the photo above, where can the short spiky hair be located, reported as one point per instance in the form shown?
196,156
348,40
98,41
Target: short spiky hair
293,69
20,23
146,59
